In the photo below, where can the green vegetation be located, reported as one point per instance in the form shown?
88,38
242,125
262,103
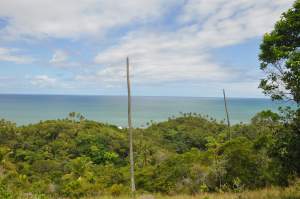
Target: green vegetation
191,154
280,57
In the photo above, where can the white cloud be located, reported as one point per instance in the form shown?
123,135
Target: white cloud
69,19
157,58
186,53
59,56
201,10
13,55
227,22
180,51
43,81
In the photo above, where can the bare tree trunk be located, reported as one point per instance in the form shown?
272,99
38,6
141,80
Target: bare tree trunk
130,133
227,114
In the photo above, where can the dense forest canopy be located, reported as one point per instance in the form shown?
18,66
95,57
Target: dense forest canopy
189,154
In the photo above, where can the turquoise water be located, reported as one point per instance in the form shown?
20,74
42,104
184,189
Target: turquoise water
25,109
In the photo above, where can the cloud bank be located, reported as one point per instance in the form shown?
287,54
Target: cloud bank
168,42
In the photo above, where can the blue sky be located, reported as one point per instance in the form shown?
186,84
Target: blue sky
176,47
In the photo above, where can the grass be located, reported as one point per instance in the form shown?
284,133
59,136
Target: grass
292,192
268,193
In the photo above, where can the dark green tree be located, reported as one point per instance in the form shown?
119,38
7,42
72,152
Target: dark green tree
280,57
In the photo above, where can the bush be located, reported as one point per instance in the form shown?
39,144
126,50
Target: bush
5,193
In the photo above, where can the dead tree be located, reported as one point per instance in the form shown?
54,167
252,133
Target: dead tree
130,133
227,114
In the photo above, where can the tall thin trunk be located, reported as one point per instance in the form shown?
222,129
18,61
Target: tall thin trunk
227,114
130,132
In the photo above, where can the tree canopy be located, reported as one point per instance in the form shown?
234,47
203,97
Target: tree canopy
189,154
280,57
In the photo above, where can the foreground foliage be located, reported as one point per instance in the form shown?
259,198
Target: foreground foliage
191,154
292,192
280,57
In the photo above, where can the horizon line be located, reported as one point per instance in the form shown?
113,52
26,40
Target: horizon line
120,95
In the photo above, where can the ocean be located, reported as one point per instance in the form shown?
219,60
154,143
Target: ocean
25,109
